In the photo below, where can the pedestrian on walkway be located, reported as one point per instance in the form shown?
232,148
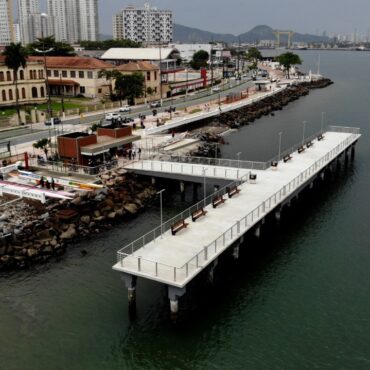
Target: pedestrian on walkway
130,154
42,182
52,183
139,152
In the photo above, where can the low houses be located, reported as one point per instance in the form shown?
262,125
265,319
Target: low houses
73,76
151,75
31,83
83,148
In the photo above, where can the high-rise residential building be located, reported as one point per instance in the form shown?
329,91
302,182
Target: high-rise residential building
6,22
64,15
74,20
29,20
148,25
89,20
17,33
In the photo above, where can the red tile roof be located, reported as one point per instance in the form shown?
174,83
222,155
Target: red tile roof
73,62
137,66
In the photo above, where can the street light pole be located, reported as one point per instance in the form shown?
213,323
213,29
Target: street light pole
204,186
161,209
62,95
238,155
279,153
50,112
322,121
304,131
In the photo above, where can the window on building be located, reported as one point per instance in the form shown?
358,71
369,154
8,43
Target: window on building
8,76
21,74
90,75
41,74
31,75
100,91
42,91
3,95
34,92
64,74
82,89
81,74
49,73
56,73
73,74
34,74
10,94
2,77
148,76
155,76
23,93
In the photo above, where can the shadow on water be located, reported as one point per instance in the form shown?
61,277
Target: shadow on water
237,285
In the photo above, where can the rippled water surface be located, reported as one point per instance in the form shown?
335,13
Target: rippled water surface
300,299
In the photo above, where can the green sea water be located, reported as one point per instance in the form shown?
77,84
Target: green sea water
300,300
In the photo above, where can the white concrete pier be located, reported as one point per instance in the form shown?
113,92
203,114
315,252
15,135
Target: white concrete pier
175,260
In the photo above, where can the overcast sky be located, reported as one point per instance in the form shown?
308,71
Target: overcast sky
238,16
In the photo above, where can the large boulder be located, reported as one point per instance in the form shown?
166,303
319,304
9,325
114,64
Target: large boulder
69,233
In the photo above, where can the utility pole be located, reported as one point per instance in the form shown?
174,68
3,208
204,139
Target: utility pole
160,70
211,56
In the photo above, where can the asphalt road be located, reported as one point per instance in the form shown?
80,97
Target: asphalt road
24,135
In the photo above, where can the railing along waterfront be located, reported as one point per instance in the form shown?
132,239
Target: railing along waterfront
62,167
160,230
217,246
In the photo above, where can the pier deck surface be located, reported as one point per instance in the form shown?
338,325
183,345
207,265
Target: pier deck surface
175,260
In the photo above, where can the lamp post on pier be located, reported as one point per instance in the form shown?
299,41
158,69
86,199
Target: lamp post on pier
322,121
279,152
304,131
161,209
204,186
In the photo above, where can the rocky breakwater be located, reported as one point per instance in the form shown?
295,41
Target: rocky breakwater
268,105
32,233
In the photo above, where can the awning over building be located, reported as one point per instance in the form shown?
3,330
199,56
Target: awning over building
63,82
105,143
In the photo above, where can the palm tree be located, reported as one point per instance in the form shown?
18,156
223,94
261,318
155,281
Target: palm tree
15,58
287,60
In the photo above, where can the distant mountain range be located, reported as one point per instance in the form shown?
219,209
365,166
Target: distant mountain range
185,34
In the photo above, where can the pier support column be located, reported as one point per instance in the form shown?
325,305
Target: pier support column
182,190
311,185
257,232
195,191
211,271
130,283
353,151
216,188
322,175
153,180
278,214
174,293
236,251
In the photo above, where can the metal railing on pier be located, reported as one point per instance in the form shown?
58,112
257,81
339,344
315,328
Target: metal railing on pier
183,273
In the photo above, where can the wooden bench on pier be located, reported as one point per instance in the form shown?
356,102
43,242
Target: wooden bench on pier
231,191
301,149
274,165
309,144
217,201
198,213
252,178
179,225
320,137
287,158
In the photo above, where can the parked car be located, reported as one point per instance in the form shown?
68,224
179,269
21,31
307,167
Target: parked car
125,108
53,121
111,116
155,104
